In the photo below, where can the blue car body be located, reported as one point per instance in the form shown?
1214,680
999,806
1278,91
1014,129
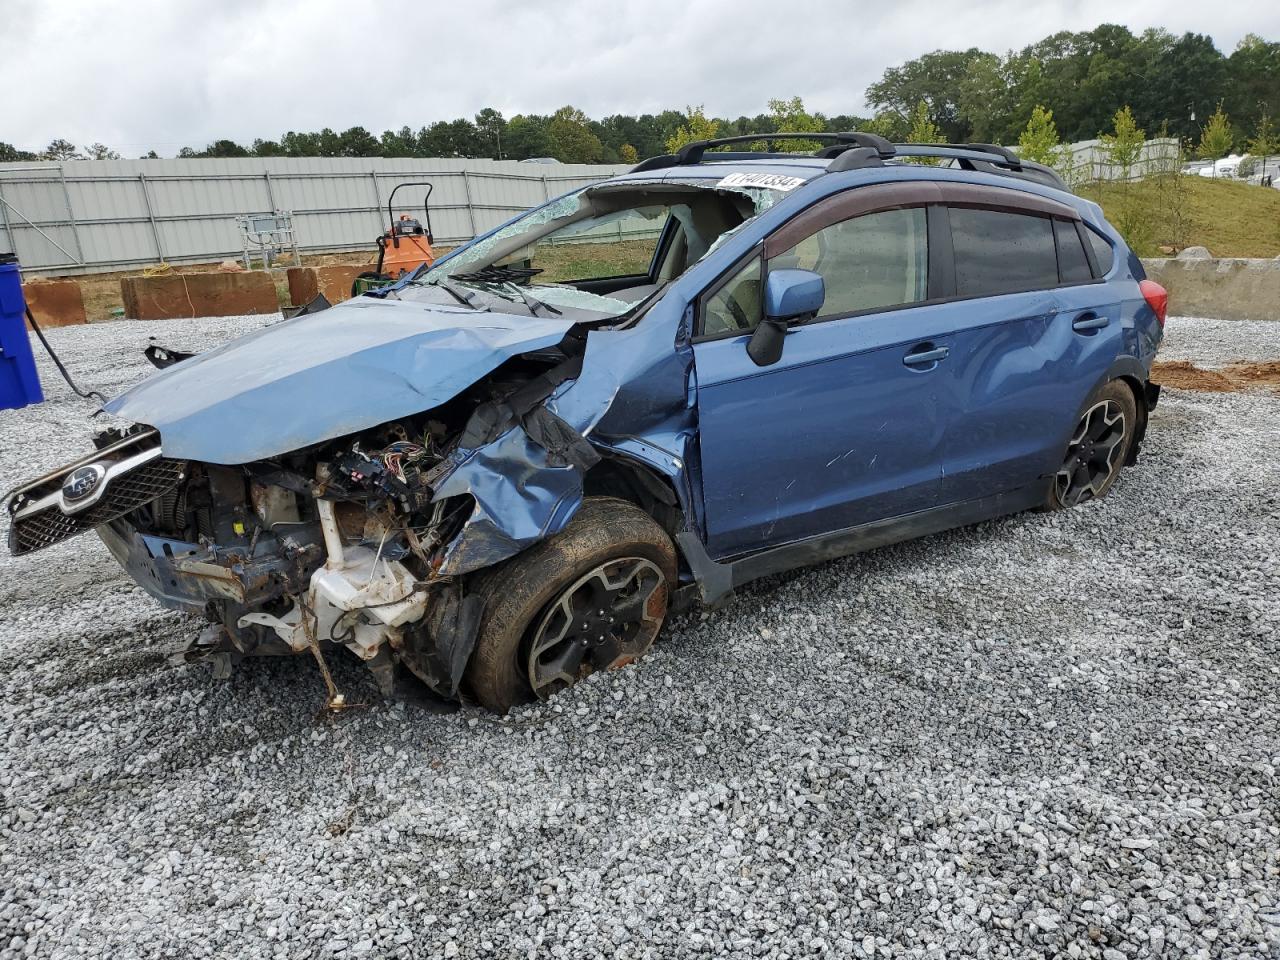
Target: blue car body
868,428
838,434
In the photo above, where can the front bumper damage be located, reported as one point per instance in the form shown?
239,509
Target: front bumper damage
371,541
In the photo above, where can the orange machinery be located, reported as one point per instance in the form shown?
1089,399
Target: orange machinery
403,248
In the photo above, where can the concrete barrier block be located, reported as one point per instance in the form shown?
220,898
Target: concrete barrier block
177,295
1229,289
55,303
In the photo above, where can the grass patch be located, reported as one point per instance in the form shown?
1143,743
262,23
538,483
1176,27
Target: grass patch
586,261
1230,219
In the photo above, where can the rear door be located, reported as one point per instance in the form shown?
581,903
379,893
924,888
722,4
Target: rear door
1036,331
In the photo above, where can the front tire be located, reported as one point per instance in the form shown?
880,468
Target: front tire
1098,449
593,597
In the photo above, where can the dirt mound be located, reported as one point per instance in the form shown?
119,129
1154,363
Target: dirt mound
1184,375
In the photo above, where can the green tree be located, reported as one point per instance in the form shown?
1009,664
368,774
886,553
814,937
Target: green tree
1216,136
923,130
300,144
790,116
219,148
888,125
527,137
266,148
695,127
1252,89
628,154
1123,145
1123,148
437,140
490,131
100,151
11,154
358,142
398,143
1265,141
936,78
571,139
61,150
1039,141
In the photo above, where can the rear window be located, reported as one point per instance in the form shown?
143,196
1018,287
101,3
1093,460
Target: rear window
1073,265
1000,252
1102,252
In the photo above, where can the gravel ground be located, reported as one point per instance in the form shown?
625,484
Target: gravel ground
1047,735
1216,343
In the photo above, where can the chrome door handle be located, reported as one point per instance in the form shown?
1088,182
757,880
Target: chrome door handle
926,356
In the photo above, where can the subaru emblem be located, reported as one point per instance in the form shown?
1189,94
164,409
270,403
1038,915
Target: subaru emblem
82,481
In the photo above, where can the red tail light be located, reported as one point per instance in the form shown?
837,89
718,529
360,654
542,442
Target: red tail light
1157,296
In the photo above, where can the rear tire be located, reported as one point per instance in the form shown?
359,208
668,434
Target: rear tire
1098,449
592,597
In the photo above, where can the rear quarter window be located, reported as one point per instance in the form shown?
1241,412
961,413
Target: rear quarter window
1073,265
1102,252
1000,252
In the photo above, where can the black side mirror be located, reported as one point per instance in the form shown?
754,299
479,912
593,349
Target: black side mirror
765,346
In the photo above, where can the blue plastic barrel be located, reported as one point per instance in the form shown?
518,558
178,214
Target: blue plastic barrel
19,384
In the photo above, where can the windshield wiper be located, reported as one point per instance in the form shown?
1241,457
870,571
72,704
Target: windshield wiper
499,273
532,302
464,297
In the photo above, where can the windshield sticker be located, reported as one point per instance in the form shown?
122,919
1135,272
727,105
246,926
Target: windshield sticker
769,181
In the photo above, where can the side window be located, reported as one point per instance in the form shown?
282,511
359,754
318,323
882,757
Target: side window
1102,252
871,262
1073,265
735,307
1000,252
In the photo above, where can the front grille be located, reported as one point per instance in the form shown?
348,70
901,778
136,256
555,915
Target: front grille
124,493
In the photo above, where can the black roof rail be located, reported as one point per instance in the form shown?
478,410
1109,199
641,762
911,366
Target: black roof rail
992,159
693,153
854,150
1004,153
855,158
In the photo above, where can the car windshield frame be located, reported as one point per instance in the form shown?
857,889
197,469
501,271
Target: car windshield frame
578,212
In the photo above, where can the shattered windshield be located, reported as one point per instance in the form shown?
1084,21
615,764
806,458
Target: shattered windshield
603,249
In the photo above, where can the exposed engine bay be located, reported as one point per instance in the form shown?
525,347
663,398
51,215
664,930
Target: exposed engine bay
343,543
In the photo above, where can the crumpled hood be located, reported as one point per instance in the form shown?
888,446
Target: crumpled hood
348,368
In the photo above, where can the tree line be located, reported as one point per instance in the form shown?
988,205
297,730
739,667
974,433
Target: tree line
1173,84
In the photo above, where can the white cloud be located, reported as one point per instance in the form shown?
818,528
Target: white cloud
137,75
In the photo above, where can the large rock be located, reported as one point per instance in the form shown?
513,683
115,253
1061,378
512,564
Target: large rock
334,281
1195,253
176,295
55,303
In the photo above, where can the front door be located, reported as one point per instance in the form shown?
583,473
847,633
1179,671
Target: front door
847,426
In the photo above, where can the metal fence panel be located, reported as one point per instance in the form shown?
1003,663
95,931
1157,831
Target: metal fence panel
92,216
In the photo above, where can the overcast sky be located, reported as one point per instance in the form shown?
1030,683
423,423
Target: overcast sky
162,74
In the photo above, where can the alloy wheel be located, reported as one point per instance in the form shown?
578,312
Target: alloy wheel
1092,454
605,619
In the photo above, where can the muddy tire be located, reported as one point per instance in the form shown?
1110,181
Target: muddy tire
592,597
1098,448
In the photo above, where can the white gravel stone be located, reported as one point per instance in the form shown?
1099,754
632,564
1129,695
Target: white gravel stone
1053,734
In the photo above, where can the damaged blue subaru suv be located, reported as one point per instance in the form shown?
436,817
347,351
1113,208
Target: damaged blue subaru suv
504,471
